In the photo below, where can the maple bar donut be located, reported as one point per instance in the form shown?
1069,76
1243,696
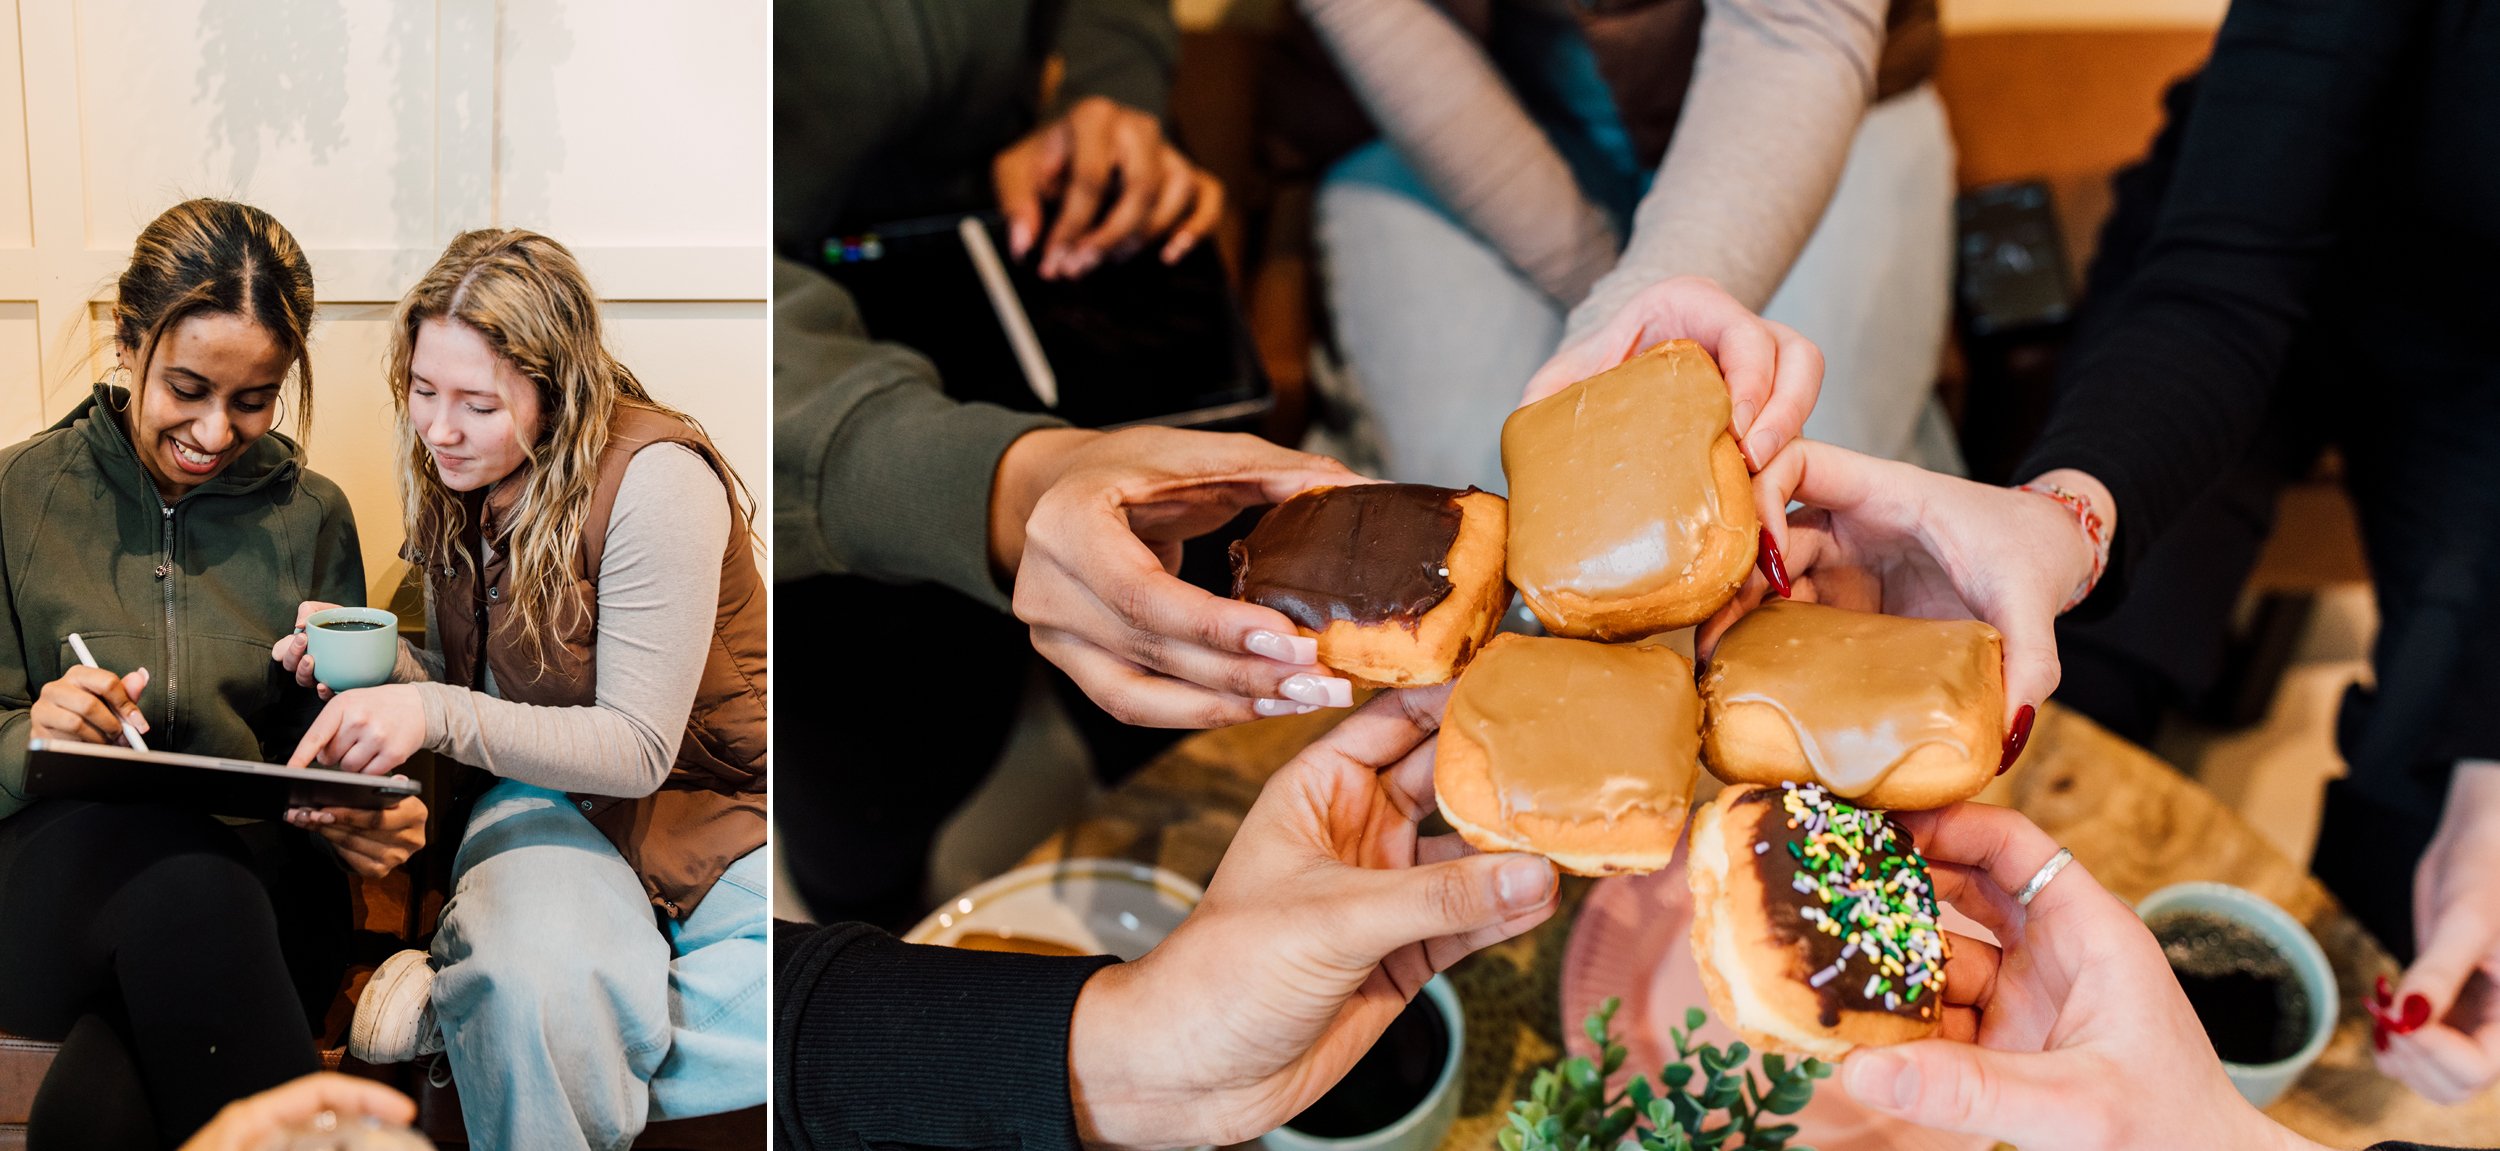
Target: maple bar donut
1814,922
1401,583
1631,510
1886,711
1580,752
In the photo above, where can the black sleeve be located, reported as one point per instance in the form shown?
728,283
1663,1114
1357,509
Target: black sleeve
2170,383
882,1044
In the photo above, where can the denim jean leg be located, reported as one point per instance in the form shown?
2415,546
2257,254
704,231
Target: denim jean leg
717,1052
552,984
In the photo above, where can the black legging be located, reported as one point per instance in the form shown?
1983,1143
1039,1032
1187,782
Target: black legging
173,955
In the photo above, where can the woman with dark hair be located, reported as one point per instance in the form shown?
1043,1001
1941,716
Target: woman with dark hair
181,960
595,644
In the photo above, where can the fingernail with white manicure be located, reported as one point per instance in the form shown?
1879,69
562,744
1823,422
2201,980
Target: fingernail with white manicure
1318,690
1524,882
1276,707
1298,649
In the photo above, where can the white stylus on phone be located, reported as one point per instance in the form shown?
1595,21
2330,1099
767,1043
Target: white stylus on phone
129,733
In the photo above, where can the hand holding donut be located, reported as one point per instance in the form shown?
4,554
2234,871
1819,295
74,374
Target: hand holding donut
1874,535
1773,373
2074,1036
1089,525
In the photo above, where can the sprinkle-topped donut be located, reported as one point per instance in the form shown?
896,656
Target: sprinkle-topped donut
1852,886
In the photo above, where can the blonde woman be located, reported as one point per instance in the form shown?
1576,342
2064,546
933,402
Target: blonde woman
595,648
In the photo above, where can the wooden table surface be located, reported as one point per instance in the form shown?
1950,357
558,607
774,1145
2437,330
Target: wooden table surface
2133,819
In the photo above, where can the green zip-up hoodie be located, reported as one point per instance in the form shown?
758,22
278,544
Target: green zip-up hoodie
195,592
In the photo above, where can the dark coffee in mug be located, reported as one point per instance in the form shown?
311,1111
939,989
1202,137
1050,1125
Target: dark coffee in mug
350,625
2253,1005
1390,1080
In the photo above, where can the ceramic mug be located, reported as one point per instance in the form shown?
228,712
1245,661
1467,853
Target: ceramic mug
357,657
1422,1127
2263,1083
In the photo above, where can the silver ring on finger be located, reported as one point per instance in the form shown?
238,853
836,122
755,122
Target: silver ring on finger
2041,878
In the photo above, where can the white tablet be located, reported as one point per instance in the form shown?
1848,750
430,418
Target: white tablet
65,769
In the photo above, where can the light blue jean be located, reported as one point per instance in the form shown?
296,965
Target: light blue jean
572,1016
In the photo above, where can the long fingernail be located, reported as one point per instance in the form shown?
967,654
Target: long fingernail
1774,568
137,720
1277,707
2015,739
1318,690
1523,883
2378,1035
2386,995
2417,1011
1295,649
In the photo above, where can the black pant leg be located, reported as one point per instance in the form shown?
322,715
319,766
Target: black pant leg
92,1098
159,913
892,704
2423,465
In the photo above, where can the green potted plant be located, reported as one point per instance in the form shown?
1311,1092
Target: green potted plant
1709,1099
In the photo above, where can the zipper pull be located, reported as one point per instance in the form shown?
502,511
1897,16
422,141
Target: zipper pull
164,570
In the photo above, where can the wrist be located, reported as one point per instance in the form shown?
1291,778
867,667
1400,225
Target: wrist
2089,509
1026,470
1106,1082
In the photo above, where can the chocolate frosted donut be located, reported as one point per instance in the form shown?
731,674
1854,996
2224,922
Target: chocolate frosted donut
1631,510
1401,583
1581,752
1814,922
1886,711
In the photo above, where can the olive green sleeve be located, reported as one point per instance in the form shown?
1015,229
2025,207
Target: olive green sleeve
334,572
875,471
1122,49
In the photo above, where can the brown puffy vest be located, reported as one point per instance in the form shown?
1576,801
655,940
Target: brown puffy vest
1644,50
711,809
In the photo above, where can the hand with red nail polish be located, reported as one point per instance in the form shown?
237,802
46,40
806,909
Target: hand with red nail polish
2441,1019
1875,535
1773,373
1088,527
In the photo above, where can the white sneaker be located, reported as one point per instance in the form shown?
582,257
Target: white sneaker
395,1015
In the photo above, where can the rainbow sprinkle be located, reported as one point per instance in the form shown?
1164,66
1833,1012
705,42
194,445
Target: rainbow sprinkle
1871,890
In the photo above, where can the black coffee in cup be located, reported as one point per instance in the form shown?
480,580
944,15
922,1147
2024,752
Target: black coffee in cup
2253,1005
1389,1081
350,625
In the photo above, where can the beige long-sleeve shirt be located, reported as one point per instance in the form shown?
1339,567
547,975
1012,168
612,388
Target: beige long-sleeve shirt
1777,92
659,588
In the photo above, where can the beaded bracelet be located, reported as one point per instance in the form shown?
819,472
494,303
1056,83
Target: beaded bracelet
2095,533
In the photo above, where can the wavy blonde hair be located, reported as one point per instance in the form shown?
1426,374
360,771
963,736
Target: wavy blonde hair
527,296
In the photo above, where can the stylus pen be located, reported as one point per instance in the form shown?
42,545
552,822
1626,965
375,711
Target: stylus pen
87,657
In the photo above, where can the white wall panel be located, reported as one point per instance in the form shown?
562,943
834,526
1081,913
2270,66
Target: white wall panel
17,216
692,356
320,111
605,140
21,365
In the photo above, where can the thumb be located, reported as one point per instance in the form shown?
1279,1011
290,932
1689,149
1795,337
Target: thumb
135,682
1957,1086
2453,948
1386,910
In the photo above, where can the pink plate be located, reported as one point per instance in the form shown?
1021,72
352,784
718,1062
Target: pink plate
1634,939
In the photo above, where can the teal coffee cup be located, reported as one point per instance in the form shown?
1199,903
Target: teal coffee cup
352,647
